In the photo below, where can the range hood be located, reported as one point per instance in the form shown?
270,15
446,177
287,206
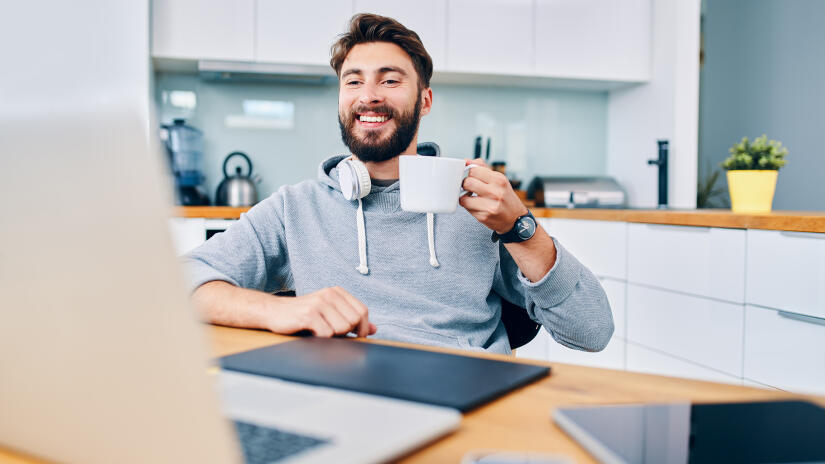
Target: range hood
239,71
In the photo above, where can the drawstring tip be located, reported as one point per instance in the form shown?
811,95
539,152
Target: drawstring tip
433,262
363,270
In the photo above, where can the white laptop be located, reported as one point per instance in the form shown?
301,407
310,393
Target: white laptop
101,359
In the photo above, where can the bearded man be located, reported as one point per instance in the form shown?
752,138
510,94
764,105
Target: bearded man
359,264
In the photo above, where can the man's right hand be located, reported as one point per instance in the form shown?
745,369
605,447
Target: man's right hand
326,312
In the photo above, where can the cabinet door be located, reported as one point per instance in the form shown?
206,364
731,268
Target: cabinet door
698,330
426,17
786,270
203,29
544,348
703,261
599,245
594,39
490,36
299,32
187,233
785,350
642,359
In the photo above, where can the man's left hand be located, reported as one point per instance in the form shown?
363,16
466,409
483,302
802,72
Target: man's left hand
496,205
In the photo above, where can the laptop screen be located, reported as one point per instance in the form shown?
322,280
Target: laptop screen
778,431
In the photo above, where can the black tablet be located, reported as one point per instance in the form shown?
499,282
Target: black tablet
460,382
763,432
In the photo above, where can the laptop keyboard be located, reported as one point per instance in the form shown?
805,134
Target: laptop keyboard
263,445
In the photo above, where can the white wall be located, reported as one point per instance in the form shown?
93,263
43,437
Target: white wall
665,108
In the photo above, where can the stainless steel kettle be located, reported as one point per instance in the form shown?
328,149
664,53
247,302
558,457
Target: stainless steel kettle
236,190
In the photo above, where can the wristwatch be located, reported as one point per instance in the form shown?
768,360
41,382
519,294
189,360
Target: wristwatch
522,230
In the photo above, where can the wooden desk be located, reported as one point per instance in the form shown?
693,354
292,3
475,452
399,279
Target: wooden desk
521,420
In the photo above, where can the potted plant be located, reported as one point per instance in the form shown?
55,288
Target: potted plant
752,171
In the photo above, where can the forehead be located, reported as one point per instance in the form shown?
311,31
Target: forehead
372,56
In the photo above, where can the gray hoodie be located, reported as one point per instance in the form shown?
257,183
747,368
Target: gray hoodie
439,283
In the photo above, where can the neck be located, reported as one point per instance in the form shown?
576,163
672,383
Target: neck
389,169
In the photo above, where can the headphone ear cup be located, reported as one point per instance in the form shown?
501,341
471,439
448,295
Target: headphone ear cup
354,179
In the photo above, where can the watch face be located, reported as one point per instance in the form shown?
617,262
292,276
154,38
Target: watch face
526,227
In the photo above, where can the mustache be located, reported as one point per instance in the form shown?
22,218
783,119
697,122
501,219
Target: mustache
383,109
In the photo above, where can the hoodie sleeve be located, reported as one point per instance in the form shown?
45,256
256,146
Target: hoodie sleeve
568,301
252,253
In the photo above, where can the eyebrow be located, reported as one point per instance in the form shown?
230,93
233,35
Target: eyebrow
382,70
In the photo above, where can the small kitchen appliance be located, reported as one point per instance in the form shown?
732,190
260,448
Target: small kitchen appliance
577,192
184,144
239,189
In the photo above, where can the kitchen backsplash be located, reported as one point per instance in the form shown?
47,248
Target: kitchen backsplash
287,129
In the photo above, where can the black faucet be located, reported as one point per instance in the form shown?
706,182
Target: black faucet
662,163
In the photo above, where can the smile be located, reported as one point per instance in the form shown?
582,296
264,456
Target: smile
373,120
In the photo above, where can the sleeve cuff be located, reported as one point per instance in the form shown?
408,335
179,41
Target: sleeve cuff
559,282
197,274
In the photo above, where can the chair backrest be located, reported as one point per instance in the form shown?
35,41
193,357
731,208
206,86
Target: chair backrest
521,330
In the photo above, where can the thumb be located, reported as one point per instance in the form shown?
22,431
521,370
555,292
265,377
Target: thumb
373,328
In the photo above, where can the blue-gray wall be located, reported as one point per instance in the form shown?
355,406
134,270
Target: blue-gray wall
764,72
536,131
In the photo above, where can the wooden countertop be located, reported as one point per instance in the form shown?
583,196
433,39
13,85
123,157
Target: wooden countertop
798,221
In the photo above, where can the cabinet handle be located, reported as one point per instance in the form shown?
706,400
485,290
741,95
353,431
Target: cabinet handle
802,318
792,234
680,227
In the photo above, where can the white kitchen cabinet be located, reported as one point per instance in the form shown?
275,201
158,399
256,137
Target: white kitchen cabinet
616,293
203,29
785,350
645,360
490,36
299,32
786,270
704,261
544,348
595,39
599,245
699,330
426,17
189,233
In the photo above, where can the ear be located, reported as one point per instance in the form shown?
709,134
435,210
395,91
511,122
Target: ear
426,101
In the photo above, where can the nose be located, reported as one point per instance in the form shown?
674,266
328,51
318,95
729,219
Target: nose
370,94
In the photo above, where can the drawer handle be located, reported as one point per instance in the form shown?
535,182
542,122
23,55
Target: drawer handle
802,318
793,234
685,228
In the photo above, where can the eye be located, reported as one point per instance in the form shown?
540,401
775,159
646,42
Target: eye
352,83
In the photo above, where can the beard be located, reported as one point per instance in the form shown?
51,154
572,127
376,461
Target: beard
371,148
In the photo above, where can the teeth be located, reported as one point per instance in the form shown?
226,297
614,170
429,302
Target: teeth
372,118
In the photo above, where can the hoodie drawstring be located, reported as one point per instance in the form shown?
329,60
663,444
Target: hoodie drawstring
362,239
431,239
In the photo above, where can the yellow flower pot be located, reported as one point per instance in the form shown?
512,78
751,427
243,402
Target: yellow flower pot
751,191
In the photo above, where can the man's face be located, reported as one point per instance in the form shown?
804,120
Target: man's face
379,102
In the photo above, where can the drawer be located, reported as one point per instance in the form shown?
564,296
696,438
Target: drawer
698,330
615,290
641,359
702,261
611,357
599,245
786,270
784,352
544,348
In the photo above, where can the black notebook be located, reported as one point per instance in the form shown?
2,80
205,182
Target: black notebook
442,379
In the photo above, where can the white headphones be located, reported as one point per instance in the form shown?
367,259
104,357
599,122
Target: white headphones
354,178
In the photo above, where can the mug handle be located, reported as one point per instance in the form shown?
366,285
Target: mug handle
467,168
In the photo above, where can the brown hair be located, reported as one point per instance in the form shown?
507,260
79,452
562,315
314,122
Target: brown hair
366,27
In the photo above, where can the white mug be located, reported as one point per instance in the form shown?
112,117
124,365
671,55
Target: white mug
429,184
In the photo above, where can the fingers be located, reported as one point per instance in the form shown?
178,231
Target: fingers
356,313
